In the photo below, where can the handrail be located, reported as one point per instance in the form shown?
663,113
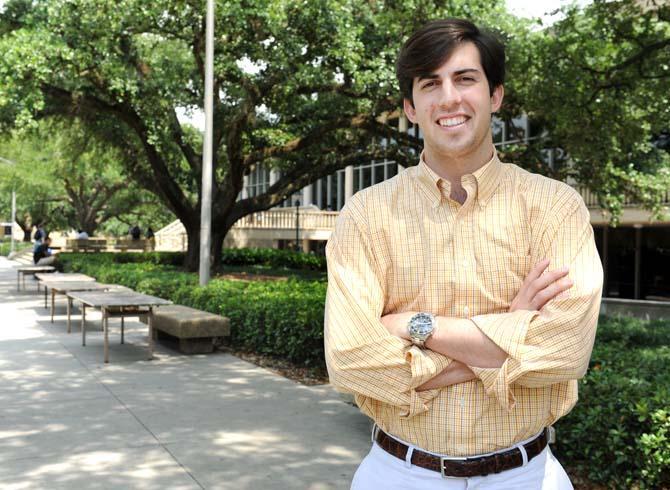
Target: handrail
591,198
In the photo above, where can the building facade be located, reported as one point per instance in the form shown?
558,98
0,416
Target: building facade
635,254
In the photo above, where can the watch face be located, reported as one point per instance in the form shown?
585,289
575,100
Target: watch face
421,326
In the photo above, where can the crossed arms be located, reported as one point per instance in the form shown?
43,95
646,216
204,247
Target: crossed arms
545,337
462,341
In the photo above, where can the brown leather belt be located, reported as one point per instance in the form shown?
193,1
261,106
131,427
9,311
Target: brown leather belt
463,467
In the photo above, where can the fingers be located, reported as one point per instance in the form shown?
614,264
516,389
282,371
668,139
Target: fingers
537,271
548,278
551,291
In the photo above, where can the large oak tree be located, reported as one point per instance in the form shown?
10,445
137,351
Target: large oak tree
304,87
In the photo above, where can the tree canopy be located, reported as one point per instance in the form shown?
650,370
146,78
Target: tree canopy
303,87
308,87
67,177
599,82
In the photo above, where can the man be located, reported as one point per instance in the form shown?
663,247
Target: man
42,254
463,294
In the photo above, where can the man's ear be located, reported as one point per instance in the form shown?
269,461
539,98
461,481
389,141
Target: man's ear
497,98
410,111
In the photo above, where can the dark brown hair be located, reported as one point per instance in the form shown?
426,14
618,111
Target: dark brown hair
432,45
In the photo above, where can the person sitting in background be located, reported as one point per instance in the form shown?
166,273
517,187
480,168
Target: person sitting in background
135,232
43,254
82,235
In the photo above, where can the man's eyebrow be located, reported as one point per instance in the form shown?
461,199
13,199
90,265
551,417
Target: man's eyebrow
434,76
428,76
466,70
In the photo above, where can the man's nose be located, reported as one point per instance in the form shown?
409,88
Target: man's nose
450,95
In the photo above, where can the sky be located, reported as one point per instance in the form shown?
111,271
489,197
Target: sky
539,8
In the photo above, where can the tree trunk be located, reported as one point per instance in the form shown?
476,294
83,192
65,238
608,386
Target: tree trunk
192,260
217,246
27,231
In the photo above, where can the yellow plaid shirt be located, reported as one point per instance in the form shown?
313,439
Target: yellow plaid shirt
404,245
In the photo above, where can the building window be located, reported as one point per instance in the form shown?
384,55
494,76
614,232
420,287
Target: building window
258,181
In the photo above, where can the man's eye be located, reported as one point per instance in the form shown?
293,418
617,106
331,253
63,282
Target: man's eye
468,79
429,85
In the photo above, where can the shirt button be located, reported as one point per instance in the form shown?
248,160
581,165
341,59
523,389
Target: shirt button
466,311
465,263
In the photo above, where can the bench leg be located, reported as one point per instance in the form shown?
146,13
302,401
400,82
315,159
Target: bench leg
105,326
69,308
151,333
45,297
203,345
123,325
83,324
53,303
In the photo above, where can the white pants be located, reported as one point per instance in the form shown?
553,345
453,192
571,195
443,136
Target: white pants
379,470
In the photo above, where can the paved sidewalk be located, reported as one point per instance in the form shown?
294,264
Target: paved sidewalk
67,421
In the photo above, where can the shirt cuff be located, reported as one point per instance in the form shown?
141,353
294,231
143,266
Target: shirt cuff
507,331
497,383
424,365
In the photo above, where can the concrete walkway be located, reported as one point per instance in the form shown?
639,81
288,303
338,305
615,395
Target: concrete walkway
67,421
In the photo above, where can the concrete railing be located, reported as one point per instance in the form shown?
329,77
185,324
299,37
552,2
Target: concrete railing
286,219
591,199
645,309
99,244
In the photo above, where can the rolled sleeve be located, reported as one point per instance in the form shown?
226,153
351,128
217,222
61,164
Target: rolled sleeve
555,344
361,355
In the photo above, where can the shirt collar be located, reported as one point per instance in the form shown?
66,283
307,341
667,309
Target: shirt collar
486,178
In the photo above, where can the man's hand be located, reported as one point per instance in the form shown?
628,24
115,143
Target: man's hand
455,373
538,288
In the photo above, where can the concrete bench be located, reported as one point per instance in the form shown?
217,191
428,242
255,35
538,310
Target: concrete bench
195,330
86,244
141,244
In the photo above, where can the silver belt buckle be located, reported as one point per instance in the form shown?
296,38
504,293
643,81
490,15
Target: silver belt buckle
449,458
375,431
551,435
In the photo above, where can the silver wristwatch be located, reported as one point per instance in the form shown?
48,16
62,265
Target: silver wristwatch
421,326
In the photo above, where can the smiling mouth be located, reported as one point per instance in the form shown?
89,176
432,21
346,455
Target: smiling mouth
452,122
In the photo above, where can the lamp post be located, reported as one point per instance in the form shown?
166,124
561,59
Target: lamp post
11,234
206,197
297,225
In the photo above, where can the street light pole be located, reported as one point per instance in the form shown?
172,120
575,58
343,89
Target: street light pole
206,197
11,233
11,247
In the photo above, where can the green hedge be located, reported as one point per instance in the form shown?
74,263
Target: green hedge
269,257
71,261
272,257
278,318
619,432
618,435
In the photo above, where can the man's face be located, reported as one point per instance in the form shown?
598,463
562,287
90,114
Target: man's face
453,107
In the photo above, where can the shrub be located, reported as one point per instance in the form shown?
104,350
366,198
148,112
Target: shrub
273,258
617,434
278,318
